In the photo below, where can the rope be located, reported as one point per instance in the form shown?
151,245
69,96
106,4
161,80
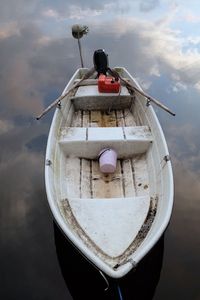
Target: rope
107,287
106,280
119,292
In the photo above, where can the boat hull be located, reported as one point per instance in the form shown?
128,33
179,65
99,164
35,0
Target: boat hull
140,193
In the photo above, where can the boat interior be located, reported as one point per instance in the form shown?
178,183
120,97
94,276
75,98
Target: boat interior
93,122
104,124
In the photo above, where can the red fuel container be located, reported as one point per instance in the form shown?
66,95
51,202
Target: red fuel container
108,84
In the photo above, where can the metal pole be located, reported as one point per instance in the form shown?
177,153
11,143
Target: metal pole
80,52
77,32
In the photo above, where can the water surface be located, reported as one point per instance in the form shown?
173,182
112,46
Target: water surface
37,57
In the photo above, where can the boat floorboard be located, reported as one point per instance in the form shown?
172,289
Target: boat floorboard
84,179
82,175
97,118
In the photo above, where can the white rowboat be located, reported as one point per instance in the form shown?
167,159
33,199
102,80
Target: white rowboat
112,219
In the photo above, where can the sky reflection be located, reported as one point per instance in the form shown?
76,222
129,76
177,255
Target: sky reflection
158,42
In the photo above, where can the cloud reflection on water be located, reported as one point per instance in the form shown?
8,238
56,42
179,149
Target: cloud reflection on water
38,56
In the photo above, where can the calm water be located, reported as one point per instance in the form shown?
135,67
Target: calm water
37,58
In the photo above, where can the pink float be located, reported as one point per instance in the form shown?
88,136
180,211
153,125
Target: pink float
107,160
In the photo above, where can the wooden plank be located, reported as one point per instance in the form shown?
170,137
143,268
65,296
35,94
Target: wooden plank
86,118
129,119
98,184
116,184
73,177
141,179
120,118
109,119
128,183
77,119
85,178
106,185
96,118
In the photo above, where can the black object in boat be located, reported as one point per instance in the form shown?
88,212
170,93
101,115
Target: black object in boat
100,59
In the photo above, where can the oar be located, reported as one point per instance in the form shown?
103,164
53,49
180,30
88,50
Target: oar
133,88
158,103
55,102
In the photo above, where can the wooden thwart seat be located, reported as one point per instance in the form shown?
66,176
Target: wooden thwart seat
90,98
87,142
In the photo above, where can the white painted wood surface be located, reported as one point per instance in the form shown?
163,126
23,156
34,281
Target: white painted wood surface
88,142
112,224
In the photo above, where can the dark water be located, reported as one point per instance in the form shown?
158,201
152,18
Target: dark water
37,58
75,269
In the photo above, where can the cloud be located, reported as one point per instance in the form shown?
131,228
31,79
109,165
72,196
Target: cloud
171,16
9,29
193,40
76,12
18,90
192,18
21,10
21,170
37,59
178,86
51,13
148,5
20,182
197,85
61,6
5,126
36,65
154,50
24,11
187,191
183,140
160,48
73,12
30,70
